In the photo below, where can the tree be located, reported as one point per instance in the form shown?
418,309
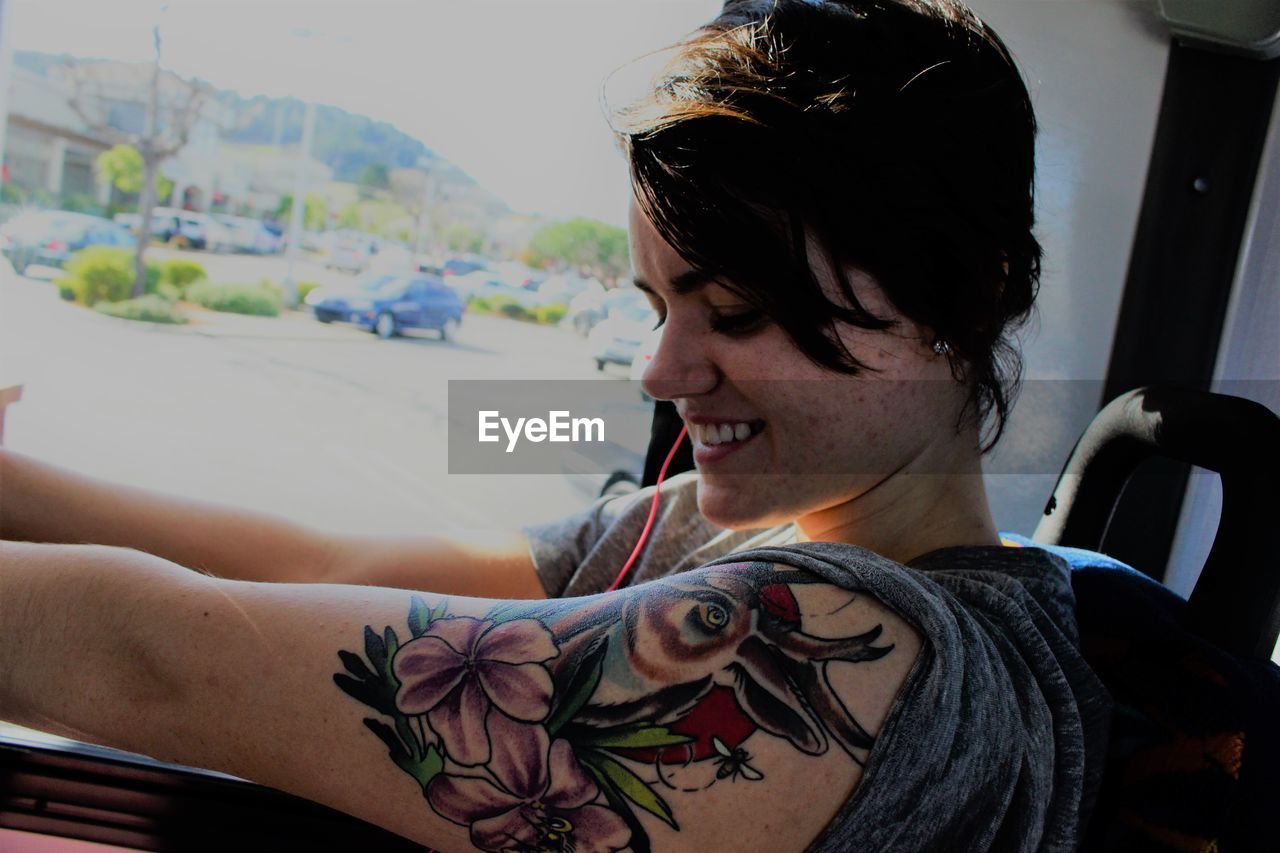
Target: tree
122,167
161,136
581,242
375,176
315,211
460,237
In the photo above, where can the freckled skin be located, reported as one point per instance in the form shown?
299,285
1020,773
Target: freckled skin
849,458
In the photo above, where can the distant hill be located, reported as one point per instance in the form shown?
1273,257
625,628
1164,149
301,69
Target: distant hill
343,141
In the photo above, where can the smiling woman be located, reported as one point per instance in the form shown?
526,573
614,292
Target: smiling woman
824,644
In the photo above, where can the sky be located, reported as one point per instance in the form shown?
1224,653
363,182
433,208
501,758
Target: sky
509,90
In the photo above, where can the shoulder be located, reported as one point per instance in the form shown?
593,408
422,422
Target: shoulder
736,704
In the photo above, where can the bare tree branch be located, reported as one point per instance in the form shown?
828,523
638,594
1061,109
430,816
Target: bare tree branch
182,101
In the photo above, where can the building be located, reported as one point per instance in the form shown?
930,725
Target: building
49,152
50,147
255,179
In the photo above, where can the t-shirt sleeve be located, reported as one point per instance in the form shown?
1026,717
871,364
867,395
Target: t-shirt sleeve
559,547
995,740
582,554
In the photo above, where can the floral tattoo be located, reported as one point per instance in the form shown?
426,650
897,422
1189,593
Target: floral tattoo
547,725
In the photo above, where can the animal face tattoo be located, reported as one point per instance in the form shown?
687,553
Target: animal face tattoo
548,725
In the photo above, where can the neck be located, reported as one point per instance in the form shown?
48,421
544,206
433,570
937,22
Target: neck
908,514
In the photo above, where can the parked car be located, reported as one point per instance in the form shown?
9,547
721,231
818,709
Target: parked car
350,251
562,288
463,265
619,336
50,237
249,235
487,284
591,306
387,304
190,229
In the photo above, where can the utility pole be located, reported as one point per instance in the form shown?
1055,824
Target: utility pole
290,285
428,201
6,71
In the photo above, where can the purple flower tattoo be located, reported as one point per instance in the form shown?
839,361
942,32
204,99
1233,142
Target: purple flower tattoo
542,799
462,668
555,726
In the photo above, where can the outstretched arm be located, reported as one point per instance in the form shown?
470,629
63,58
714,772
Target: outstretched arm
733,706
40,502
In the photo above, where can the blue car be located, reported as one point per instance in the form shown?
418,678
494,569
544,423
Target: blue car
387,304
50,237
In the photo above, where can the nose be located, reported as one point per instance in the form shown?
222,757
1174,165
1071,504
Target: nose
680,365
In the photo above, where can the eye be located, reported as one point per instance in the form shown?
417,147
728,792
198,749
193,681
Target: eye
713,616
738,323
559,824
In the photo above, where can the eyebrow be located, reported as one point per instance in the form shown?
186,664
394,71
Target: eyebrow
686,282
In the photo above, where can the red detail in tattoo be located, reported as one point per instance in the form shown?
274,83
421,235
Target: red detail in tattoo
715,715
778,600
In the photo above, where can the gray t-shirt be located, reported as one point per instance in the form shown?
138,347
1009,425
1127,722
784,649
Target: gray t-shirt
996,740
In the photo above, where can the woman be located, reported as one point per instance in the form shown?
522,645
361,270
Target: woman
833,218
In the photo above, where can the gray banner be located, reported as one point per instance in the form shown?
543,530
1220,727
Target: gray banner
601,427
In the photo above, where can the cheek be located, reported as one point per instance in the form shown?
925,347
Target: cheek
866,423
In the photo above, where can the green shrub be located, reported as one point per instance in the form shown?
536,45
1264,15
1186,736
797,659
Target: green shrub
181,273
149,308
168,292
261,299
550,315
509,307
479,305
103,274
305,287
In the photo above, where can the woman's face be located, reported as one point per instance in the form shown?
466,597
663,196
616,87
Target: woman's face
775,436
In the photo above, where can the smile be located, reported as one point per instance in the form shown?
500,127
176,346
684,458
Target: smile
713,442
711,435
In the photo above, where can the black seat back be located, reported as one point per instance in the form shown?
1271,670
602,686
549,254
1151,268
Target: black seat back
1193,760
1236,602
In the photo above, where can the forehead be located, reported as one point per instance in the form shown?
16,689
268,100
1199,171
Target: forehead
655,261
658,267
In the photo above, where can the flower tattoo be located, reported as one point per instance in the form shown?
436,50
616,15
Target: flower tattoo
547,726
542,799
462,670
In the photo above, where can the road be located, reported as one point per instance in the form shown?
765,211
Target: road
322,424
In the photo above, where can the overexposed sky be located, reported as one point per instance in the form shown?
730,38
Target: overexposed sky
507,89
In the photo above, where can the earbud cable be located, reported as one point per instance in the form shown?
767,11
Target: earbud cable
653,511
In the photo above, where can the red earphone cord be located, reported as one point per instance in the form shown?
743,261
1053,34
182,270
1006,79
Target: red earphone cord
648,525
653,511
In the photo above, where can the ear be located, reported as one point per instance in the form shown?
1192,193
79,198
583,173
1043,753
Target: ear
762,685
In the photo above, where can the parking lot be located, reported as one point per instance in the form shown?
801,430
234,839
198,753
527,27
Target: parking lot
323,424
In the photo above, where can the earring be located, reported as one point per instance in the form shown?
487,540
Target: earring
941,347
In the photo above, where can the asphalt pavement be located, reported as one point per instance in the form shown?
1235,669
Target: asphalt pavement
323,424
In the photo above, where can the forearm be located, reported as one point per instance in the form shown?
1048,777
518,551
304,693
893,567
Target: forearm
43,503
83,633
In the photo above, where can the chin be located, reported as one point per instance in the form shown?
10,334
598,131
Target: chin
746,502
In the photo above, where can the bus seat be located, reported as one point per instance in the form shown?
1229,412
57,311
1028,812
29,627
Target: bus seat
1193,761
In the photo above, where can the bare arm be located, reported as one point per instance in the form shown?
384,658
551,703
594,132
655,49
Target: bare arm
731,707
44,503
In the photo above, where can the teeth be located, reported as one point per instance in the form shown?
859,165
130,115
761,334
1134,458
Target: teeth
713,434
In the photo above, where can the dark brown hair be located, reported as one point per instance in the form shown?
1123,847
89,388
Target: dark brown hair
898,133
